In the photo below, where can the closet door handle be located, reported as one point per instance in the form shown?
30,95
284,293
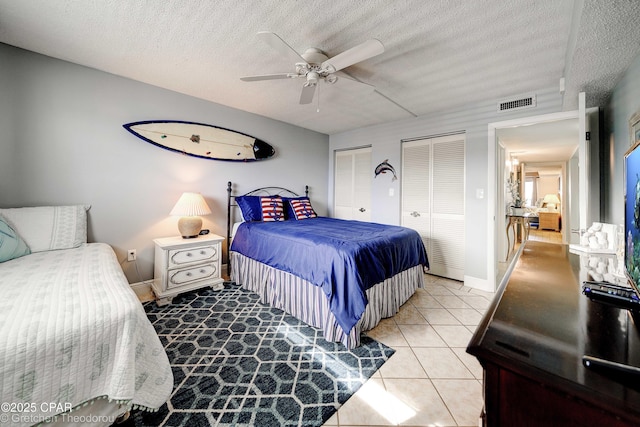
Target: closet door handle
362,209
414,214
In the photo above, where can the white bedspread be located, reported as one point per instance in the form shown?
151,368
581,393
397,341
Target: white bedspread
71,331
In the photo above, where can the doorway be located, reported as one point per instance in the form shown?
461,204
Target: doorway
503,148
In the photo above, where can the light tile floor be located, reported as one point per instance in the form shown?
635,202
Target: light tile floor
430,380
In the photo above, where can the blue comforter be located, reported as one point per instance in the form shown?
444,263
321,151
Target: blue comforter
344,258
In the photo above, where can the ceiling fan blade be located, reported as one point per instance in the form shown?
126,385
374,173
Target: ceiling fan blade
358,53
307,94
268,77
350,81
273,40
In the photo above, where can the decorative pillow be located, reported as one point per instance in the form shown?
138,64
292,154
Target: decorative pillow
11,244
288,210
302,209
48,228
272,209
250,207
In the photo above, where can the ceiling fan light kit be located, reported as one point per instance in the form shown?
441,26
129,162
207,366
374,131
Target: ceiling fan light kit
314,65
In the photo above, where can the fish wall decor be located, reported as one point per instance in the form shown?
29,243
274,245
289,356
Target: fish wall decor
385,167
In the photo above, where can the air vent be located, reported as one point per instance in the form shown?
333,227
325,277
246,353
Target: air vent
517,103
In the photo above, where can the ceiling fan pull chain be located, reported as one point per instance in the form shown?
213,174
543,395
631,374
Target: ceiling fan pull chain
318,99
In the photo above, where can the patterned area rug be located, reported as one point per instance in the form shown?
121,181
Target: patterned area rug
237,362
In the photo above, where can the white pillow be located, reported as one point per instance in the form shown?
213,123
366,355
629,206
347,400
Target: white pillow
47,228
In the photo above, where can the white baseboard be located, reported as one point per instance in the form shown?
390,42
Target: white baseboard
143,291
480,284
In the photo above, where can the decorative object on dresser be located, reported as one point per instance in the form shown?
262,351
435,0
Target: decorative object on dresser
190,207
599,238
184,265
201,140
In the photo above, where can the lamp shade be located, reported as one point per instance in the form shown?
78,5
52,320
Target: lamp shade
189,207
191,204
551,199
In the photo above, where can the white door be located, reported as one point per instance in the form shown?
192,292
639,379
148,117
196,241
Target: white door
352,184
433,199
583,162
416,188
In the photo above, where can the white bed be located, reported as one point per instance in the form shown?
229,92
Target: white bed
74,339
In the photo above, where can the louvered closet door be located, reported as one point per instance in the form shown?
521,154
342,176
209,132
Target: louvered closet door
433,200
352,184
416,188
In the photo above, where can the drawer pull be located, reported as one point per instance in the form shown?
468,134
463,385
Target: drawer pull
203,271
202,252
189,274
189,254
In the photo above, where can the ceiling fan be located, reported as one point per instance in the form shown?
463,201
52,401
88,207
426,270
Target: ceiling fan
314,65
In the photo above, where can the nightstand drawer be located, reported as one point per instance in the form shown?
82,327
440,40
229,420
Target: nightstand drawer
193,274
178,257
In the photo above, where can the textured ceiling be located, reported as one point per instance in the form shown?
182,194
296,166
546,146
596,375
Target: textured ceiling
555,141
439,55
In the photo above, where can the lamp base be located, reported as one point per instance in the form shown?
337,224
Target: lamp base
189,226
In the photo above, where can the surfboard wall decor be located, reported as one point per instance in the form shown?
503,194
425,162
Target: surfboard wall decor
201,140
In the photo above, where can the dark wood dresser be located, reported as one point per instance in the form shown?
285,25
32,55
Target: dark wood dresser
533,337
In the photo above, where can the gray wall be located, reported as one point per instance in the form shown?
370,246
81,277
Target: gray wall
385,141
625,102
7,140
62,142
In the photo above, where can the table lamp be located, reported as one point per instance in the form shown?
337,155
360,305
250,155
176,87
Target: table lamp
552,201
189,207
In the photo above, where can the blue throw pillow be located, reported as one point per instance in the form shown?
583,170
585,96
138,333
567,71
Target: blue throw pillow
251,207
11,245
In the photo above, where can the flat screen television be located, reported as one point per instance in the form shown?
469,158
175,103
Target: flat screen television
632,215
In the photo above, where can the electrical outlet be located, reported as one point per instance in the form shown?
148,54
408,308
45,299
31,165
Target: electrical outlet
131,255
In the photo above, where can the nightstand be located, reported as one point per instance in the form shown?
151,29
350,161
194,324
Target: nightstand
549,221
183,265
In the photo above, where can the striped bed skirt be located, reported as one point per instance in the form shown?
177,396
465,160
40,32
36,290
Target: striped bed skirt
308,303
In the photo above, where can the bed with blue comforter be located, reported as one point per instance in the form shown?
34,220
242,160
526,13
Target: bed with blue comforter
341,276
